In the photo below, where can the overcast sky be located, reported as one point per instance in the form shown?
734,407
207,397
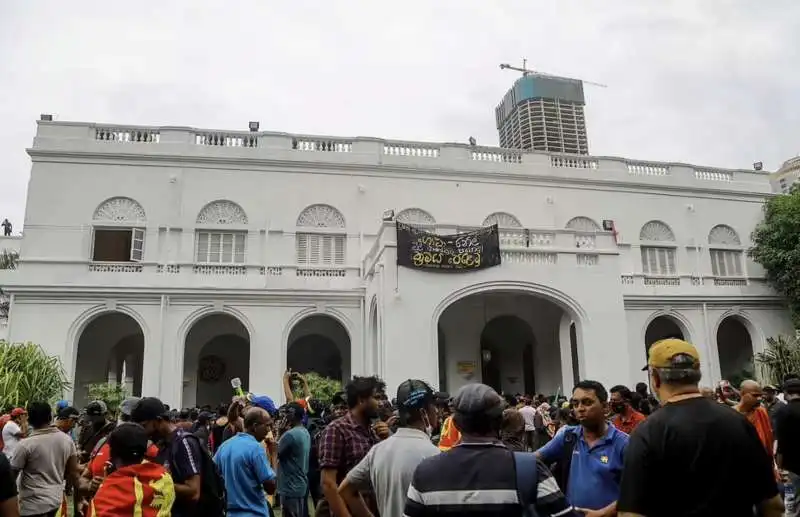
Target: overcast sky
710,82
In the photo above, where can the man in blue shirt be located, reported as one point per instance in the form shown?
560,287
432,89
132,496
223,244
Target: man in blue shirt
595,450
294,448
245,467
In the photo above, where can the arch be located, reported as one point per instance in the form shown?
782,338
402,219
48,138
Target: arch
724,235
582,224
320,343
415,216
208,310
656,231
109,346
306,313
735,347
374,339
676,318
502,220
320,216
222,212
216,349
516,347
119,209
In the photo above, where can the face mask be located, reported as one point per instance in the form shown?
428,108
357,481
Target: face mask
618,408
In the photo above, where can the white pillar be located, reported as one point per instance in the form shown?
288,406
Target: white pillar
129,373
112,369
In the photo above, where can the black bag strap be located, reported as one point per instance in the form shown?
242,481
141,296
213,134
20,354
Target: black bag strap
525,465
570,439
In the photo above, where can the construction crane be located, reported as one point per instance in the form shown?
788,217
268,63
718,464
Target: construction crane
526,72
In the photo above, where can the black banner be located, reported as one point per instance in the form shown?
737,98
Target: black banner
419,249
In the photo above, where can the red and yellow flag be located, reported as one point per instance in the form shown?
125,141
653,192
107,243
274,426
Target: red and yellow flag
144,490
450,435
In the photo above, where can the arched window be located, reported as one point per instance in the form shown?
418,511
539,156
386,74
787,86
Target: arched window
582,224
725,249
321,236
658,249
502,220
216,245
118,231
416,216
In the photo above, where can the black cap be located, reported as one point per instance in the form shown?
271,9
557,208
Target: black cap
149,408
96,408
339,398
414,394
792,387
67,413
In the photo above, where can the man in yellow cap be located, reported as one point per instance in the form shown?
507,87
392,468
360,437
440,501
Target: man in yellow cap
693,456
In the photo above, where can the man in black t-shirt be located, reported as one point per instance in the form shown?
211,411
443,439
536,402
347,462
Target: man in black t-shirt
693,457
787,433
8,490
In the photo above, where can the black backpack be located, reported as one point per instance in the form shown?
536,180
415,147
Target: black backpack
213,498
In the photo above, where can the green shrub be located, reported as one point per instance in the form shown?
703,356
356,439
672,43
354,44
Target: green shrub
28,374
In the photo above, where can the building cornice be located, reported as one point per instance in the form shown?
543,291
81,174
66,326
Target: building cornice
384,170
693,301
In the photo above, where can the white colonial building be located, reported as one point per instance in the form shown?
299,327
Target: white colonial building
175,259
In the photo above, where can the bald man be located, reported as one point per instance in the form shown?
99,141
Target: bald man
245,467
750,406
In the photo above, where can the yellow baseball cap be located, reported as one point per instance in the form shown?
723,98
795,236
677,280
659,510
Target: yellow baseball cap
662,352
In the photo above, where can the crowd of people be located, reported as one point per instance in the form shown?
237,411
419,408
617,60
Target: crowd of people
671,448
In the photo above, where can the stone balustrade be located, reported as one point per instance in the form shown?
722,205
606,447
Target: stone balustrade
365,151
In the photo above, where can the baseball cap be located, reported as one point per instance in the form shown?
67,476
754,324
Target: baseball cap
149,408
127,405
96,408
792,387
414,394
264,402
662,352
18,411
68,412
477,398
61,404
771,387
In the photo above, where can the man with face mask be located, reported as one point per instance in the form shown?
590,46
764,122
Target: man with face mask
693,456
626,419
388,467
95,426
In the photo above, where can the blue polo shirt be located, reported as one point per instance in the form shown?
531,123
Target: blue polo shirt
595,472
245,467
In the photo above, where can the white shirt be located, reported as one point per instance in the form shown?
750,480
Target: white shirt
528,413
10,440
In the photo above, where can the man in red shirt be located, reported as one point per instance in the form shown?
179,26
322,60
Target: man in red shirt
625,417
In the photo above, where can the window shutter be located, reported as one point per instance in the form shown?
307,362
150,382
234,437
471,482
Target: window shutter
301,241
240,248
670,262
227,248
137,245
314,249
201,253
339,252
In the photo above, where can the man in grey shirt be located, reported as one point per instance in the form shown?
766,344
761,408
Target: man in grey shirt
44,461
388,467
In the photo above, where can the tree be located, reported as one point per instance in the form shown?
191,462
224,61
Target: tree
776,246
780,358
322,388
29,374
111,394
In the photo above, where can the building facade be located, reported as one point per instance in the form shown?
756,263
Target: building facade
543,113
784,178
175,259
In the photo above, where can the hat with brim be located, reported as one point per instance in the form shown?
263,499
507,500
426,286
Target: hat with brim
662,353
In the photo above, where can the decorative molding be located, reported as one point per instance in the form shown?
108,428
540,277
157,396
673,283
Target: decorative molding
502,220
724,235
119,210
583,224
656,231
222,212
415,216
320,216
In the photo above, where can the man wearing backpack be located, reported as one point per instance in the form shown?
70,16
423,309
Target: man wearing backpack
199,488
480,476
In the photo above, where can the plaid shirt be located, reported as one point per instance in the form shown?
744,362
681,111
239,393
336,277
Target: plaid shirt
343,444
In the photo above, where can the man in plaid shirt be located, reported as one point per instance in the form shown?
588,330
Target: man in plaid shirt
347,440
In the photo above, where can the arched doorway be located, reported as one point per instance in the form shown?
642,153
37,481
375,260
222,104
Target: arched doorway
374,337
507,355
321,344
508,339
110,349
217,349
735,349
662,327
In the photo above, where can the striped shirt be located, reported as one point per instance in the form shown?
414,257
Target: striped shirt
478,479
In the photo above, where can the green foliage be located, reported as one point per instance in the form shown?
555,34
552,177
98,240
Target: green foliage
28,374
780,357
111,394
322,388
776,246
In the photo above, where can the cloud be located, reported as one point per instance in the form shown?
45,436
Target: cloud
710,82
